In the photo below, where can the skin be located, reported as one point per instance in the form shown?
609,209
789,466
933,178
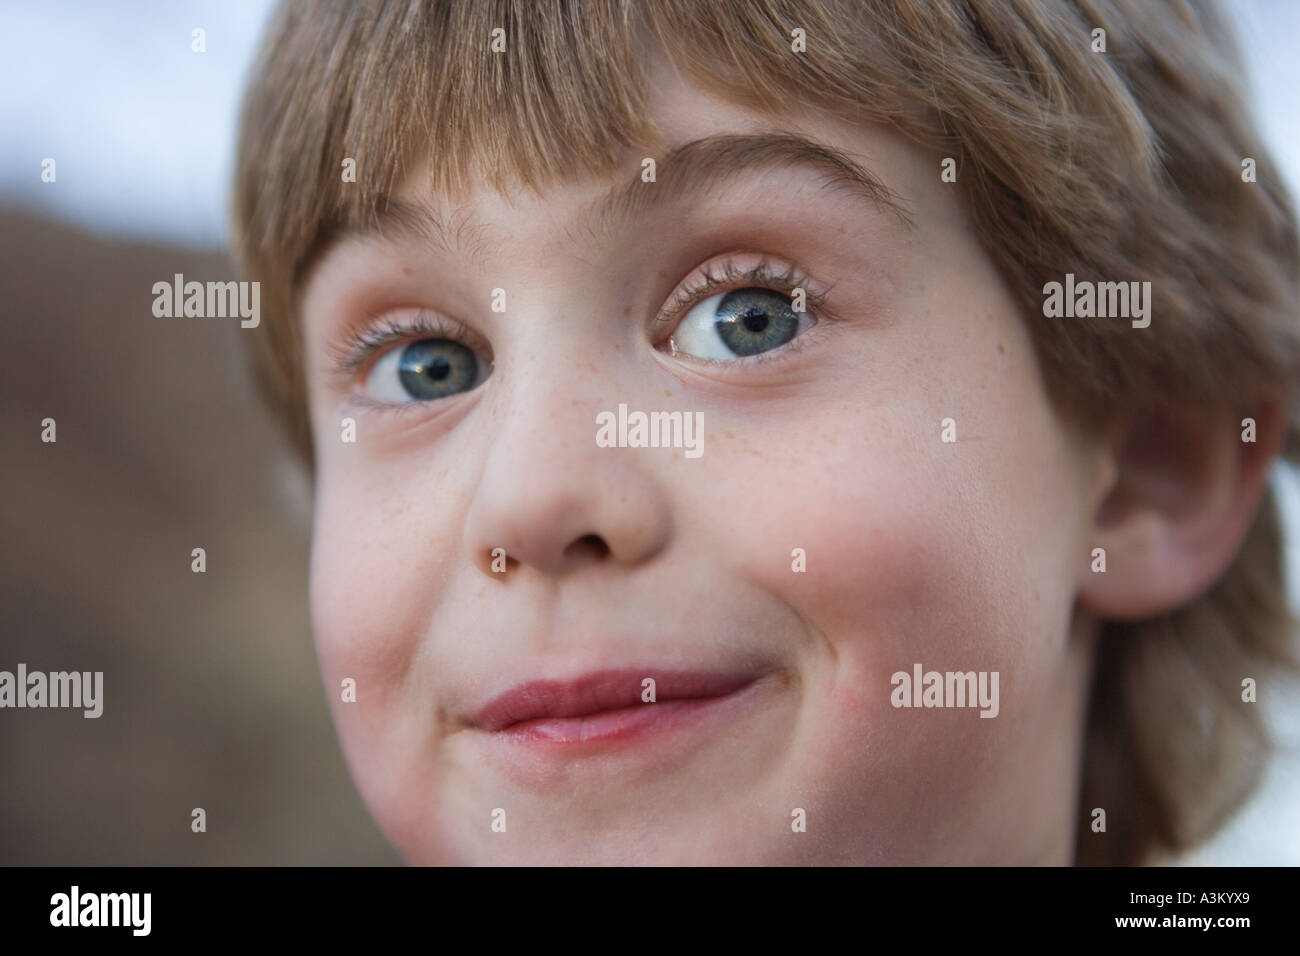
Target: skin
966,555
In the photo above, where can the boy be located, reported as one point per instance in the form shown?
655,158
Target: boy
946,571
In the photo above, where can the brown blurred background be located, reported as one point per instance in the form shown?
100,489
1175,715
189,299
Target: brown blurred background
211,693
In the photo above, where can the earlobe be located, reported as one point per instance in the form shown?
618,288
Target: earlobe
1184,491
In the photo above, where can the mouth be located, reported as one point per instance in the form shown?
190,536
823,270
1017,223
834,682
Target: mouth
608,707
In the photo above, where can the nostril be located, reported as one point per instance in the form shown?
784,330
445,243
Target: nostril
592,545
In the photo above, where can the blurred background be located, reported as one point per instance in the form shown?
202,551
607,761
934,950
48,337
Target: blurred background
212,695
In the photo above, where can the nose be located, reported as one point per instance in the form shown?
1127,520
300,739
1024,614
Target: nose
554,500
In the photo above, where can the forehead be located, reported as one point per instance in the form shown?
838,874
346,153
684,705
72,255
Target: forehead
707,146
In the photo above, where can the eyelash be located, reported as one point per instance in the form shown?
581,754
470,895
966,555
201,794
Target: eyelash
364,345
704,283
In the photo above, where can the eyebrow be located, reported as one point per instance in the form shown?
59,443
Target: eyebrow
693,169
686,172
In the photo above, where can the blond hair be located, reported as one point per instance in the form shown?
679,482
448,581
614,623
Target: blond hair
1125,163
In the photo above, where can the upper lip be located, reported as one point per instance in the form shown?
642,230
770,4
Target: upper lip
599,691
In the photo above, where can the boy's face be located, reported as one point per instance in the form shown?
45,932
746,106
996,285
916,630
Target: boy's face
499,717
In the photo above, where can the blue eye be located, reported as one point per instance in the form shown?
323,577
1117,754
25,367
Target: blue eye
738,323
424,371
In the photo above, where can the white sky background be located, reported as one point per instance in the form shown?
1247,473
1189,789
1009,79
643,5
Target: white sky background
142,129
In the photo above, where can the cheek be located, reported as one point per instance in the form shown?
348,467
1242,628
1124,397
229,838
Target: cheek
906,559
361,563
372,586
957,556
377,577
383,539
907,544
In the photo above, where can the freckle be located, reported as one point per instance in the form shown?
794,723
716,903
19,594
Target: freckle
668,393
406,270
628,310
1001,350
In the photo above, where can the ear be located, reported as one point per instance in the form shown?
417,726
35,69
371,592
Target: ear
1182,493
